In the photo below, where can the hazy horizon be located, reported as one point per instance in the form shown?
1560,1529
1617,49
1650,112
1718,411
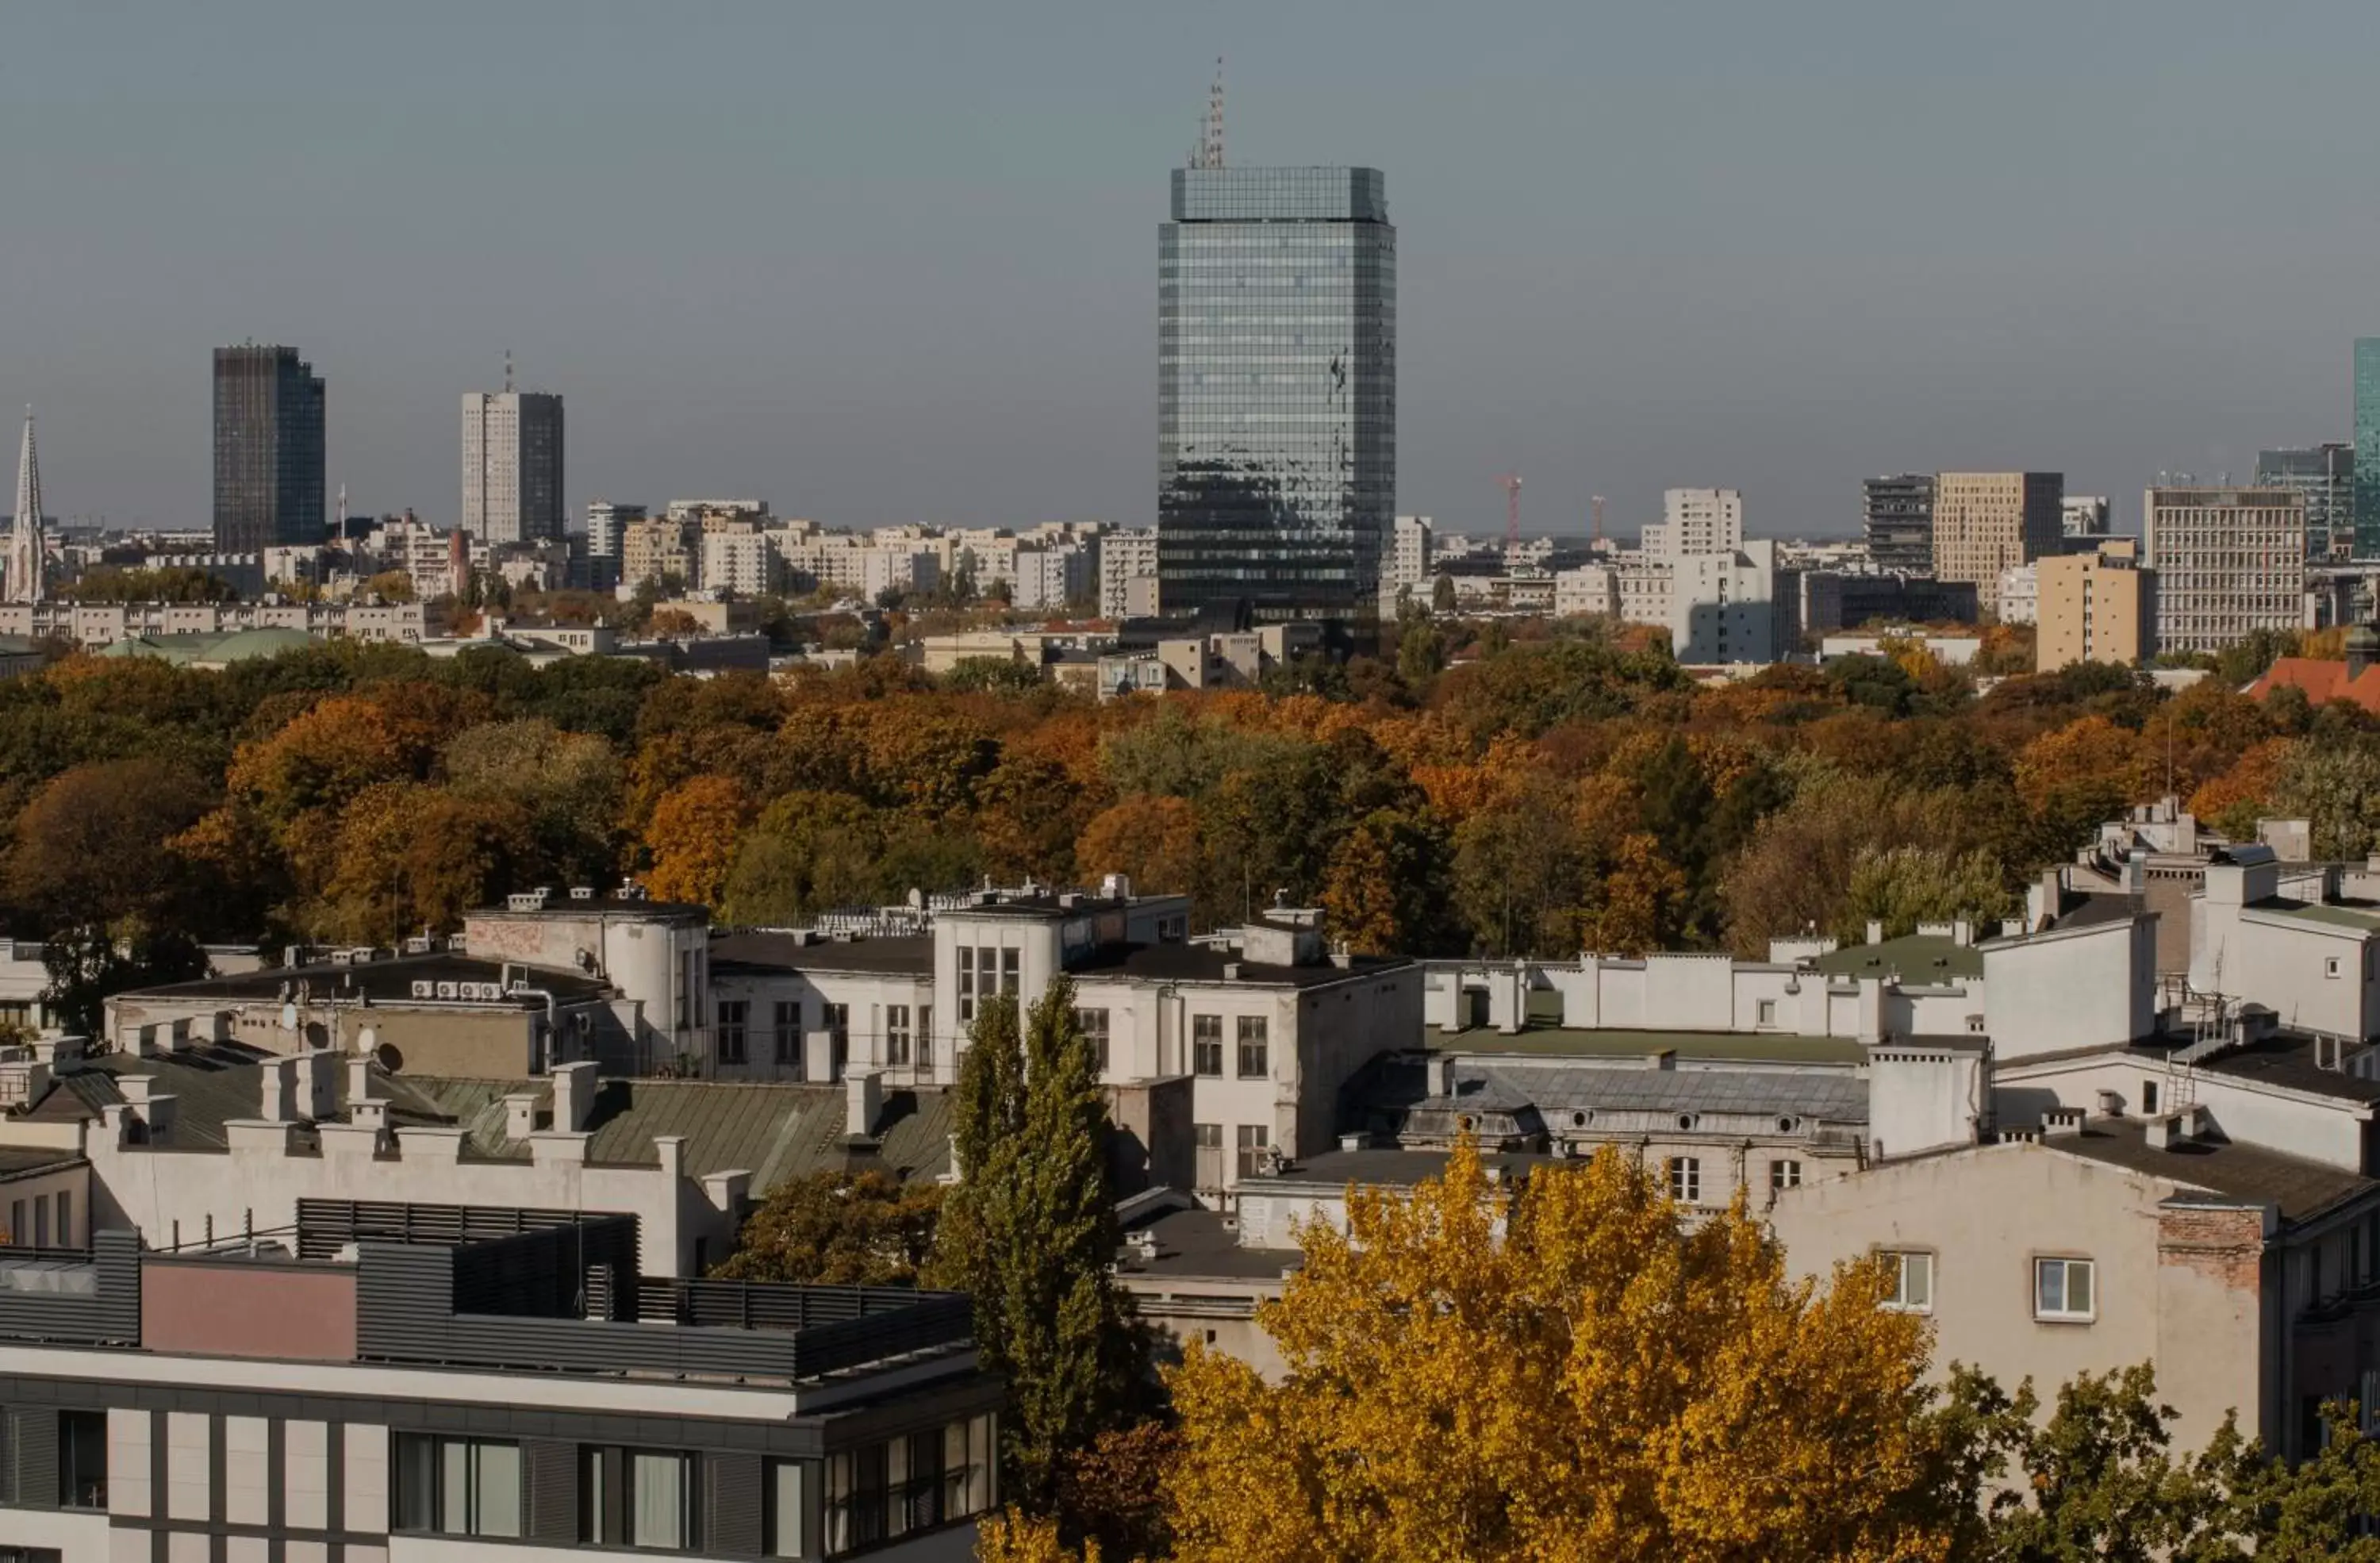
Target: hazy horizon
898,262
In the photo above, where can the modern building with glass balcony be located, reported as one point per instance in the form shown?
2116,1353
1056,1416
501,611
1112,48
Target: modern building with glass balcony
1277,400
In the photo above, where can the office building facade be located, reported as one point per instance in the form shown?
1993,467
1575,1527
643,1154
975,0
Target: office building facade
2229,561
269,450
2367,448
1897,517
512,466
2325,476
1984,522
1276,389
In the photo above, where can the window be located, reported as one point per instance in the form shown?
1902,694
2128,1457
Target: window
1913,1283
966,983
2064,1289
2330,965
66,1219
1255,1049
660,1499
2148,1099
917,1482
41,1222
925,1036
837,1021
1686,1180
83,1460
457,1486
896,1034
784,1520
1094,1024
731,1014
789,1033
1768,1011
1783,1174
19,1224
1207,1045
637,1497
1254,1139
1007,969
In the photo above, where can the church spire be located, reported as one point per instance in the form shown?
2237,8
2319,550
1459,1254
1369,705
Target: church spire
22,577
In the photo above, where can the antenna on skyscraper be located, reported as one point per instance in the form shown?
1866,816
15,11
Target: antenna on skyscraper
508,371
1210,147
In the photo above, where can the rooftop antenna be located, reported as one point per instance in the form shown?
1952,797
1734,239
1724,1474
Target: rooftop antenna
1210,145
508,371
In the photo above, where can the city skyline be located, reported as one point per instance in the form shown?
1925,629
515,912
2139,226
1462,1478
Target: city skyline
892,331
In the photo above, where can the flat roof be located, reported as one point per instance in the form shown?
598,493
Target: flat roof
2285,1061
757,952
1195,1243
1555,1041
2299,1187
1203,962
1916,957
1386,1167
2359,918
388,982
569,906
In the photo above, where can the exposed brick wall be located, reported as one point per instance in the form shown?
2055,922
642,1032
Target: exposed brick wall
2224,1245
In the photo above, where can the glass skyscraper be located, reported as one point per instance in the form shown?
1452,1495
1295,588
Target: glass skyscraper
2325,476
1277,391
269,450
2367,447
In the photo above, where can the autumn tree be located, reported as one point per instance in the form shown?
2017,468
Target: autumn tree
1152,839
91,847
692,838
1030,1232
1605,1380
566,786
838,1228
808,853
86,965
1384,891
1902,887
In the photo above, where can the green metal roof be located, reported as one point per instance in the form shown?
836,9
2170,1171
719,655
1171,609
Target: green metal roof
2364,919
1918,958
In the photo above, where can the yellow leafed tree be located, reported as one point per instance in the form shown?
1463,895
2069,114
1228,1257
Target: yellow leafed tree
1597,1380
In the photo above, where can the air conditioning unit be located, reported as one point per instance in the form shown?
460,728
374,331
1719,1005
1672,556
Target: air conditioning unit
425,989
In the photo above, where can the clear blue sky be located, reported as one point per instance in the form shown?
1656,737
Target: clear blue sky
888,261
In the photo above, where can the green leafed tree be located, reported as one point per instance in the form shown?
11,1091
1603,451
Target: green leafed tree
839,1228
1030,1231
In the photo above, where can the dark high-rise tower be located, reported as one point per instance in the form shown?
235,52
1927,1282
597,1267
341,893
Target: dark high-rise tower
1275,388
1899,519
269,450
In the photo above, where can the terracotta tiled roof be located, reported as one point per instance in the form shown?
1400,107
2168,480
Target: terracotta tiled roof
2322,680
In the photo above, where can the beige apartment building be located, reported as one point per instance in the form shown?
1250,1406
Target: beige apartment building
2229,561
1986,522
2094,607
652,549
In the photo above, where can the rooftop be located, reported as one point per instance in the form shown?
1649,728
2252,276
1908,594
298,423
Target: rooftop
576,905
2299,1188
1203,962
2288,1061
1743,1047
395,980
2357,916
1915,958
757,950
1196,1244
1385,1169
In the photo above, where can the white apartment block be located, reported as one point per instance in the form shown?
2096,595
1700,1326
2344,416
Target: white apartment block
512,466
1404,564
1723,606
738,557
1697,521
605,522
1045,577
97,624
1128,573
1589,589
2019,595
2228,563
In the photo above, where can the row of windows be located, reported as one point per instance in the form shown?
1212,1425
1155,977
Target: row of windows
1250,1142
734,1026
984,973
1254,1049
647,1498
2065,1290
43,1222
1684,1174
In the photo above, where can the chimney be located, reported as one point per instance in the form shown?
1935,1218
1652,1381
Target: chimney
134,1088
360,1078
1963,932
2363,647
1875,931
317,1084
574,1097
277,1084
1441,1074
520,1115
2062,1121
863,1094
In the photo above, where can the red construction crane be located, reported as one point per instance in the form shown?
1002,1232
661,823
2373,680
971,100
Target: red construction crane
1510,484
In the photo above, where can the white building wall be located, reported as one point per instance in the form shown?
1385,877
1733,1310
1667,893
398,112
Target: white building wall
2091,987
